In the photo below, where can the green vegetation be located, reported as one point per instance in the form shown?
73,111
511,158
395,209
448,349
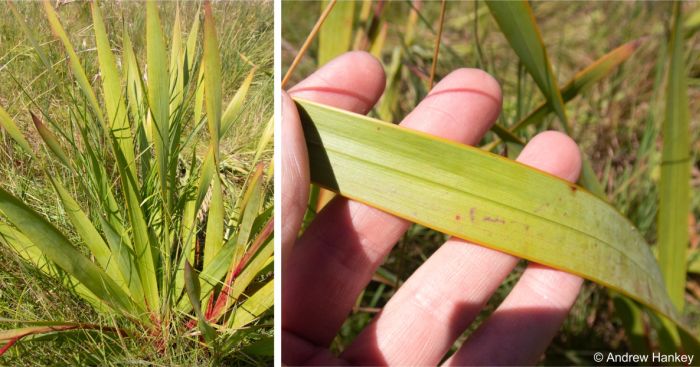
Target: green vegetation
136,212
627,64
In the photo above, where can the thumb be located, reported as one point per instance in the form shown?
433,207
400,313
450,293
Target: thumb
295,176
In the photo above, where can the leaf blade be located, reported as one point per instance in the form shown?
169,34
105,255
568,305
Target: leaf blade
344,149
674,187
518,24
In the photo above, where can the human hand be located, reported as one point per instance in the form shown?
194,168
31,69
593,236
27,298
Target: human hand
325,269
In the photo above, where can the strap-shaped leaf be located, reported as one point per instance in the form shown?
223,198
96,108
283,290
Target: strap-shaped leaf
235,106
158,93
674,187
32,254
89,234
113,95
335,36
212,79
253,307
75,65
483,198
7,123
51,140
518,24
582,81
215,222
193,293
58,249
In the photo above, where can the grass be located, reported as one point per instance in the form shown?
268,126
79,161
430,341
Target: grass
617,124
245,33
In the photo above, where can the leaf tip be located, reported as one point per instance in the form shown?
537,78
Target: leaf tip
37,121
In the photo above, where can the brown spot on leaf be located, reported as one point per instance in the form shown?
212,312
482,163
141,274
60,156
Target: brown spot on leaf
494,220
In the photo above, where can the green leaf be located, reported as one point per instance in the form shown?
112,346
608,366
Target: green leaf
158,93
335,36
9,125
212,79
11,336
250,207
32,254
215,222
693,265
518,24
246,269
31,36
177,64
76,67
516,21
89,234
112,90
144,248
191,47
50,140
134,84
24,247
262,347
234,108
124,256
193,292
265,139
14,335
632,317
388,105
674,187
582,81
483,198
253,307
59,250
199,95
222,263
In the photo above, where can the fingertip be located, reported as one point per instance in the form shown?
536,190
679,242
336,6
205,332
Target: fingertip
461,107
555,153
368,65
475,79
353,81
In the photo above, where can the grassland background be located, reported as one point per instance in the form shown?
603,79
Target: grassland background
610,122
245,33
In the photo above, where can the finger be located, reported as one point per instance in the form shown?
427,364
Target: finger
353,81
439,301
337,255
522,327
295,176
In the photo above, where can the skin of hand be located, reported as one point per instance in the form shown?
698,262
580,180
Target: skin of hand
326,268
